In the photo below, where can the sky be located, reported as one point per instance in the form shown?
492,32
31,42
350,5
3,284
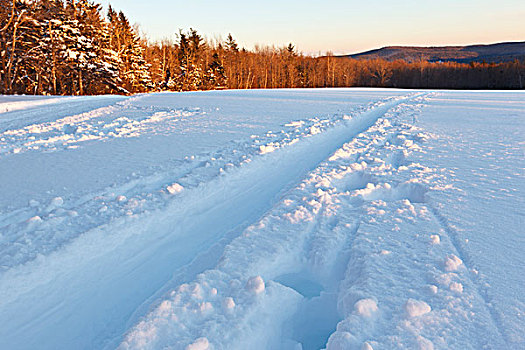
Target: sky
339,26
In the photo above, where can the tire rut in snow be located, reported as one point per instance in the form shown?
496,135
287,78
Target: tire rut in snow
402,287
275,247
113,268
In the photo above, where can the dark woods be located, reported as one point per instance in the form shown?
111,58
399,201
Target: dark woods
69,47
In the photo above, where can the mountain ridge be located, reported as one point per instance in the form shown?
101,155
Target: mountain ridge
490,53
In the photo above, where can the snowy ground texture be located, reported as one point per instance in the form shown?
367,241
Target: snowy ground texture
282,219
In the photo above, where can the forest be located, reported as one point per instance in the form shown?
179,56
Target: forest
75,47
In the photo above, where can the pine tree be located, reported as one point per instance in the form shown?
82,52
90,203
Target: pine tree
232,60
231,44
65,52
133,69
191,46
101,63
215,74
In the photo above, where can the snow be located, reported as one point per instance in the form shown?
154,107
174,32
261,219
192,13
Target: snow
255,285
175,188
435,239
15,103
452,263
267,219
199,344
415,308
366,307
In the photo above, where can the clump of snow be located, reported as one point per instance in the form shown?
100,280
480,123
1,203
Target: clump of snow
314,130
175,188
228,303
341,340
452,263
410,191
55,203
205,306
296,123
367,346
266,149
195,290
433,289
255,285
199,344
424,343
365,307
33,222
415,308
456,287
288,202
299,215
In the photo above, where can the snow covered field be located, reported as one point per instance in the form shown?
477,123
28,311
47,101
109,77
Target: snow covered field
263,219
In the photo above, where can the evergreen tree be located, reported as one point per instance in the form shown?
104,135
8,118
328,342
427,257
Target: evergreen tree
291,50
59,49
215,74
189,55
101,62
133,69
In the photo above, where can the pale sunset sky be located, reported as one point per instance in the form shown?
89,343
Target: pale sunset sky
333,25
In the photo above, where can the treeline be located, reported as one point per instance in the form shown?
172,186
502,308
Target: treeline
70,47
64,47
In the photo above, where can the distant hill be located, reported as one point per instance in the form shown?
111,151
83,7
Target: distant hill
501,52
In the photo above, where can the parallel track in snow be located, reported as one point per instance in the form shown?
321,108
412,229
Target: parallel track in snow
97,281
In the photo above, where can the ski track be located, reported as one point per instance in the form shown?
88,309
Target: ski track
341,247
134,254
